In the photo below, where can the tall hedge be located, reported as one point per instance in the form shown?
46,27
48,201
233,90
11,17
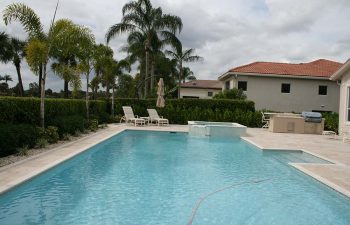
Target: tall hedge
16,110
179,111
20,110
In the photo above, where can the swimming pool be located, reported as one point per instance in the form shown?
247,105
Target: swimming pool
141,177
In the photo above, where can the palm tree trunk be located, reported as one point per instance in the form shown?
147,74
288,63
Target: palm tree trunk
42,98
87,96
107,90
18,69
146,74
65,88
180,75
112,110
40,76
152,73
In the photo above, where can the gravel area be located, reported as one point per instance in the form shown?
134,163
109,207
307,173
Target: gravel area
4,161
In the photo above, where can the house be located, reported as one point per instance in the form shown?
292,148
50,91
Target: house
200,89
342,76
287,87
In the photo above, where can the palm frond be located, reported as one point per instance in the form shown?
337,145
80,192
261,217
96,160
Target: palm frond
188,56
172,54
118,29
5,46
124,64
27,17
135,37
193,58
133,18
171,22
130,7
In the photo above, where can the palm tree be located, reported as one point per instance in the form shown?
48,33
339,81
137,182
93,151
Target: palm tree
140,17
119,69
5,53
181,56
94,84
136,52
39,45
76,42
13,50
103,66
187,74
86,65
17,54
7,78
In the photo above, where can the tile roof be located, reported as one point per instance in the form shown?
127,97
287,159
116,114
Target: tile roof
319,68
203,84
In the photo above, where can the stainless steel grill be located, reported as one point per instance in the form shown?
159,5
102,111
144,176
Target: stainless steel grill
312,117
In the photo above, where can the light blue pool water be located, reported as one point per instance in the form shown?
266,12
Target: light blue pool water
156,178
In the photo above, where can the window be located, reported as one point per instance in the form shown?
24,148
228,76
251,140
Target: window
285,88
348,109
322,90
210,93
242,85
227,85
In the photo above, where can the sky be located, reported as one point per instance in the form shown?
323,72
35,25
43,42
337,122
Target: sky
226,33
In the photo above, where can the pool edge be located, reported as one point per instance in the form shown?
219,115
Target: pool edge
299,166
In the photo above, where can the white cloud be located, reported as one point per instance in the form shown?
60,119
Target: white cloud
227,33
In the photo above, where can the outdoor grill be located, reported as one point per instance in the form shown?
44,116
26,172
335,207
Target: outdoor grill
312,117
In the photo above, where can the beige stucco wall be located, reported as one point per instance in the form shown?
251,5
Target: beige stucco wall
303,96
344,125
196,92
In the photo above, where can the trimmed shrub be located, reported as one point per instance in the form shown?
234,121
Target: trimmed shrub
51,134
179,111
92,125
26,110
331,121
15,136
231,94
69,124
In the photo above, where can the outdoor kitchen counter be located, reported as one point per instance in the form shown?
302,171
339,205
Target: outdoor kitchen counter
294,123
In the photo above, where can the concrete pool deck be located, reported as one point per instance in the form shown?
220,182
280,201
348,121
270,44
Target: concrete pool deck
336,175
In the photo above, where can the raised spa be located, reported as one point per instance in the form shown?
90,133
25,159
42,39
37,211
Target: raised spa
216,129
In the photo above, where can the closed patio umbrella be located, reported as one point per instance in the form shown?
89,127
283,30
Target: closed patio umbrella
160,92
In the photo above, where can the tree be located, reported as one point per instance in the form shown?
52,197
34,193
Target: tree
118,72
125,87
39,45
231,94
181,56
34,89
94,84
4,87
5,53
6,78
187,74
141,18
17,54
76,42
104,67
86,65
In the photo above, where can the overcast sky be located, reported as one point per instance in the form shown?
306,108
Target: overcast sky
227,33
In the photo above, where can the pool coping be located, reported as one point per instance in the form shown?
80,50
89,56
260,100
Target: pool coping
21,175
301,166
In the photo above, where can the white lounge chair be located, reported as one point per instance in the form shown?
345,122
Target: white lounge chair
154,117
265,120
130,117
